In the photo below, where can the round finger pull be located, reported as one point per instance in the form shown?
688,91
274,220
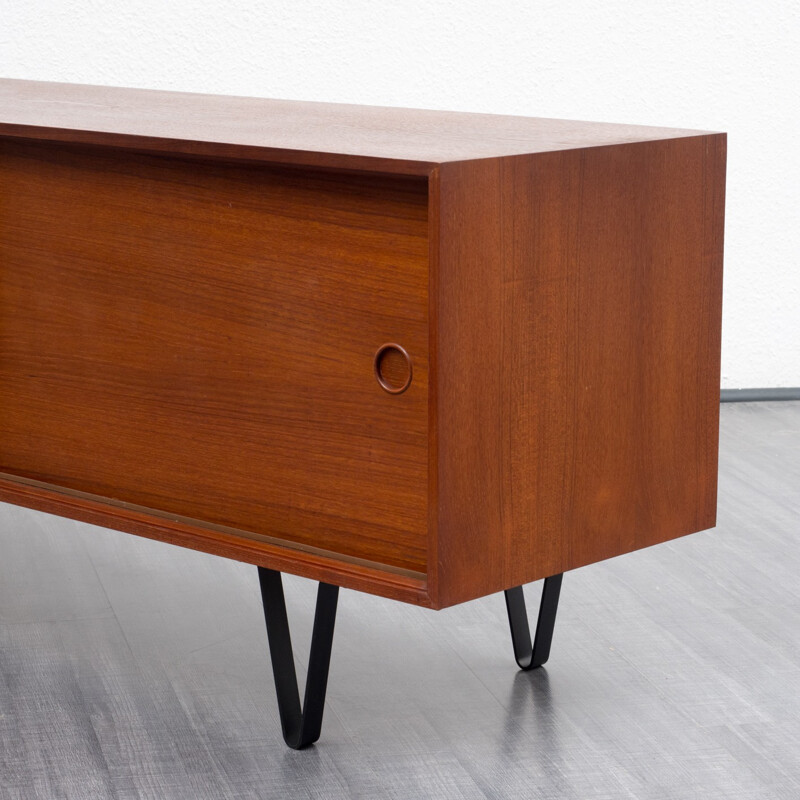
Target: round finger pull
393,368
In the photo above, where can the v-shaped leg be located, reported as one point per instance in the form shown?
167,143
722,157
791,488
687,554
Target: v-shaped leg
301,726
531,656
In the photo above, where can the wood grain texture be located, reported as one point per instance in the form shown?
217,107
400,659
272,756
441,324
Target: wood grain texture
201,342
578,342
188,336
333,135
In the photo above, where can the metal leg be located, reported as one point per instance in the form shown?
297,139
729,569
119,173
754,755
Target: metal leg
301,726
530,657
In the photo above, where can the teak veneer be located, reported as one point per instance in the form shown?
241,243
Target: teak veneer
422,354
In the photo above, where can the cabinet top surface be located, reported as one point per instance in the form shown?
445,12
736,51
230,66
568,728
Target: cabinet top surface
335,135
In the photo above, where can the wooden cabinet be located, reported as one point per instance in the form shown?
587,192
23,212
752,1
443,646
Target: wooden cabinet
197,294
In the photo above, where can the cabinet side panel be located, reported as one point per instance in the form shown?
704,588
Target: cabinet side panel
578,362
197,338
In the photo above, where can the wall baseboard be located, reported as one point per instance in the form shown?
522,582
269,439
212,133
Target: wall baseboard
756,395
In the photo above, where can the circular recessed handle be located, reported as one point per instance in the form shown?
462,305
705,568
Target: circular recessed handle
393,368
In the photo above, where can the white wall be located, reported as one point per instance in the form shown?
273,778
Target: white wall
731,66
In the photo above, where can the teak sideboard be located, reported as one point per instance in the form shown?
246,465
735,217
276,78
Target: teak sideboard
426,355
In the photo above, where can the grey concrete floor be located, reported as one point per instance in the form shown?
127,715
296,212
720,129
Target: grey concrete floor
133,669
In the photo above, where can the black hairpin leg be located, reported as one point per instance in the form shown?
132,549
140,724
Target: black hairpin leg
530,656
301,726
